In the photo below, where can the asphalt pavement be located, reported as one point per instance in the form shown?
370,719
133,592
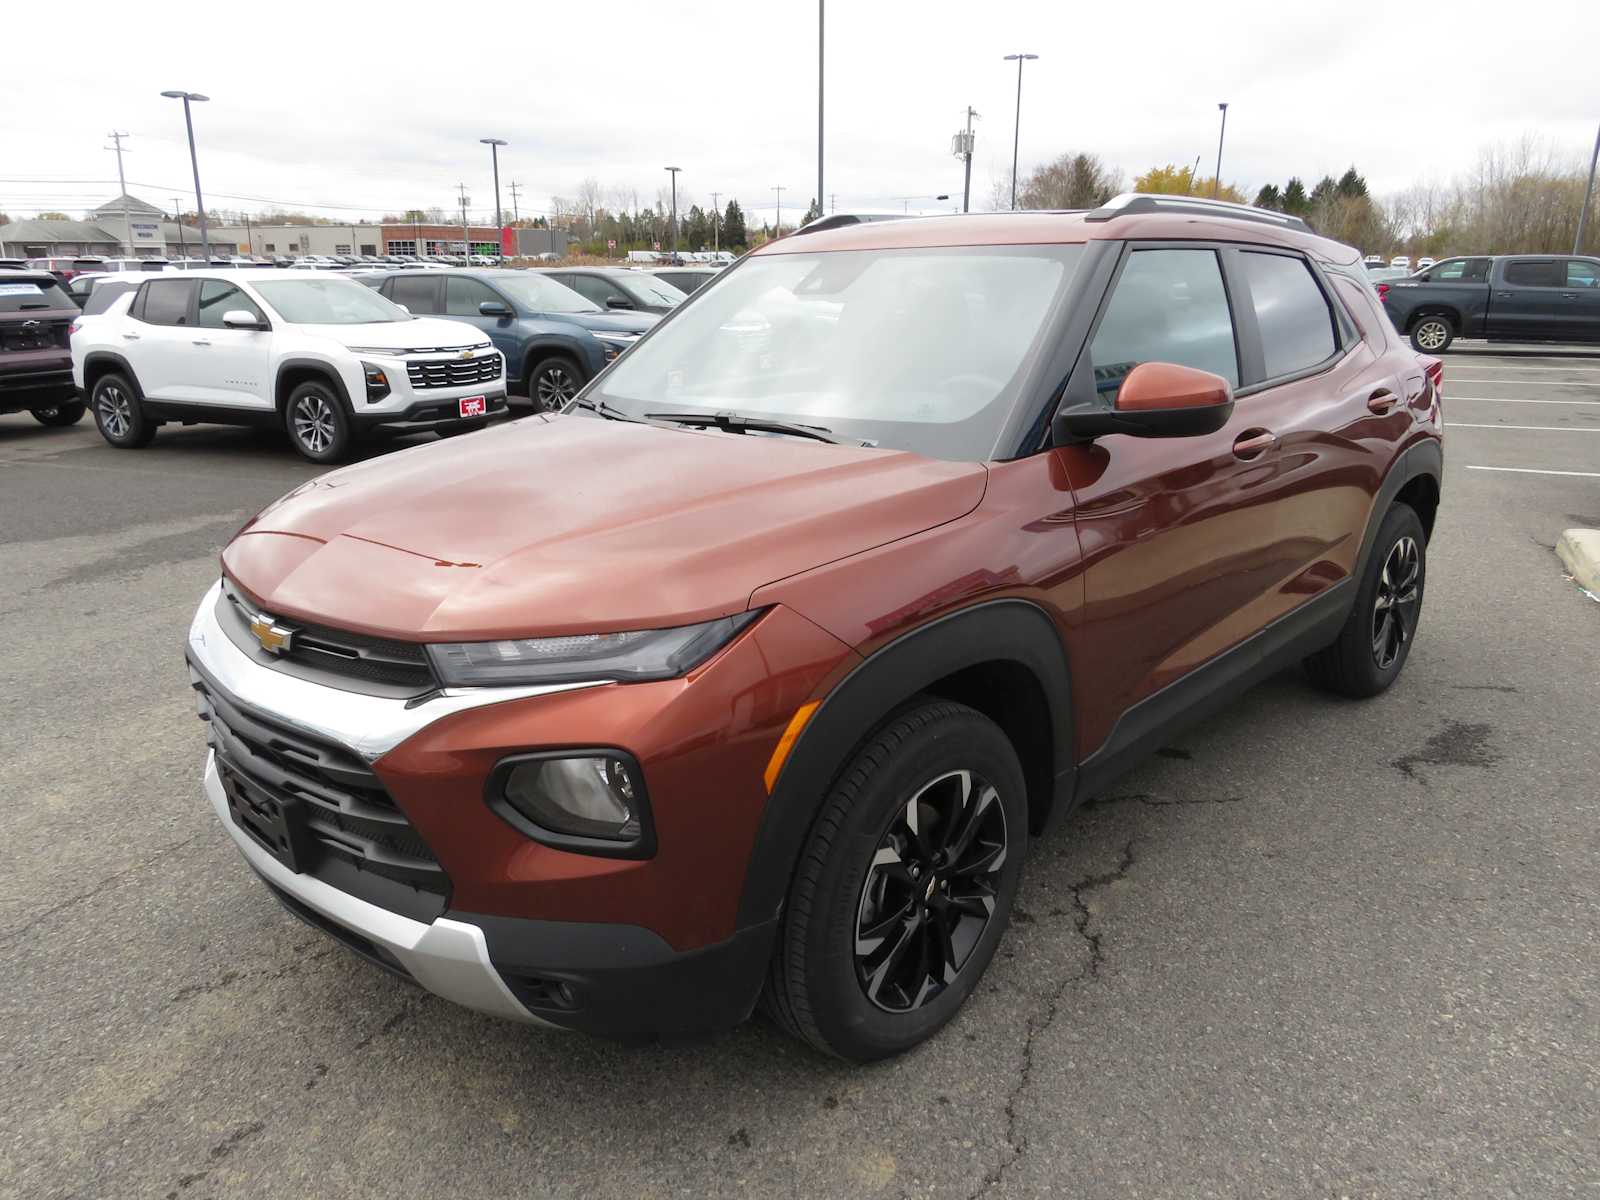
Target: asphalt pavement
1313,949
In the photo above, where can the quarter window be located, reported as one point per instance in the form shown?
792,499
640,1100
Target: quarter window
217,298
1297,326
166,301
1169,306
1582,274
1532,273
1460,270
462,297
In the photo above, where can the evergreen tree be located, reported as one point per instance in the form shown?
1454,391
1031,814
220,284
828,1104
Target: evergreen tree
1270,197
733,231
1325,190
1350,184
813,211
1295,200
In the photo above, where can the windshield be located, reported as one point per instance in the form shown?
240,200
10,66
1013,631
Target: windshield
23,295
539,293
649,289
330,301
920,349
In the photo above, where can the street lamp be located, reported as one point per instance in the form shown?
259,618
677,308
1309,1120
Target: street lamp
1216,184
194,162
1016,137
494,145
673,171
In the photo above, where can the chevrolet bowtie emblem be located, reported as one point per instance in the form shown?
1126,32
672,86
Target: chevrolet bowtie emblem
274,638
466,354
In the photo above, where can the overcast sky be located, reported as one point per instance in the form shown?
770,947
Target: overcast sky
379,109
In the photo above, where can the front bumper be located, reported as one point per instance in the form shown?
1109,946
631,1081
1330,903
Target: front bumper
434,413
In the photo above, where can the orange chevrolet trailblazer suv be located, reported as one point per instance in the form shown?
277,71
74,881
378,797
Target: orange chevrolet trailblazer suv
747,677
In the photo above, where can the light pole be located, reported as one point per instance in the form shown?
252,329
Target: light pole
716,222
1016,137
673,171
494,145
777,221
194,162
1216,184
820,44
1583,213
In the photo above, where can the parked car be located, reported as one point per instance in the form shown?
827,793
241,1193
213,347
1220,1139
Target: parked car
67,268
686,279
35,362
1400,260
1503,298
1373,261
554,340
749,677
1378,275
1424,263
317,355
115,265
620,288
84,286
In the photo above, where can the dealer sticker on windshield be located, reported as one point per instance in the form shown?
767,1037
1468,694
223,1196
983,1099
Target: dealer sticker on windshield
474,406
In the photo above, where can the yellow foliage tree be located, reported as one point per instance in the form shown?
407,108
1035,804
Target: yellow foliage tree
1173,180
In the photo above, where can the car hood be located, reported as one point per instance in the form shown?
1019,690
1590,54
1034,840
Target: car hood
621,322
424,333
571,524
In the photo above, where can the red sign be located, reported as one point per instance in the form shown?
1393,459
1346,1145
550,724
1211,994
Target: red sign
473,406
508,242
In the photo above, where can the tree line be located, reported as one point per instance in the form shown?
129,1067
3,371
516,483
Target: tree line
1518,199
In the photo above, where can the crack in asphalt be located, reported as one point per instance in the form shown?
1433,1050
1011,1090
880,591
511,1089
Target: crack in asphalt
104,885
1151,800
1081,917
217,1153
302,959
1458,744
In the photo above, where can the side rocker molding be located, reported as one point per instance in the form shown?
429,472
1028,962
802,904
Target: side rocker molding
1000,630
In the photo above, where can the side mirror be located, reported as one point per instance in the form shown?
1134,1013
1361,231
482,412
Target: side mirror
1156,399
618,302
403,308
238,318
494,308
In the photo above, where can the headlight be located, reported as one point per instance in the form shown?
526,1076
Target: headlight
613,344
588,801
377,382
623,657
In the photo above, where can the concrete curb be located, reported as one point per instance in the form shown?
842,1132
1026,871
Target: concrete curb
1579,549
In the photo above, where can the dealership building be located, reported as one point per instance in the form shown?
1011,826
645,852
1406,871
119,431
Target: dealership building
146,232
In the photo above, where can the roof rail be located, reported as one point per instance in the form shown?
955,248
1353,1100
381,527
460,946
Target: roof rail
1138,202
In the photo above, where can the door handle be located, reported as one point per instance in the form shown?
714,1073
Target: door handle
202,341
1569,295
1252,442
1381,401
132,337
1504,295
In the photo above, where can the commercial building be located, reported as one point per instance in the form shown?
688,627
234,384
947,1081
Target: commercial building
124,225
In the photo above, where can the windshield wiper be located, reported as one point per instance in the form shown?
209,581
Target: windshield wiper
608,411
732,422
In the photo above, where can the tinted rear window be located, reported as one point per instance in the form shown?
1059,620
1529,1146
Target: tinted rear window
25,295
100,299
166,301
1297,329
1536,274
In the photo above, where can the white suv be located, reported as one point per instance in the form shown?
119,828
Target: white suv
318,355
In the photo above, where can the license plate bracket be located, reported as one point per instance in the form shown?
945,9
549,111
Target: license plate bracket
474,406
275,823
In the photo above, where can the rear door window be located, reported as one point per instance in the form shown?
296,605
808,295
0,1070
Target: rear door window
1460,270
1530,272
1168,306
417,292
166,301
1298,328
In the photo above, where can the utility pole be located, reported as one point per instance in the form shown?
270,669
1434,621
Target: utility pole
250,239
127,221
716,222
820,46
673,171
177,210
1583,213
466,236
1216,184
515,215
833,202
778,220
962,147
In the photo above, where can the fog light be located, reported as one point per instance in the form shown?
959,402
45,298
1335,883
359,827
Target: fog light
593,803
377,382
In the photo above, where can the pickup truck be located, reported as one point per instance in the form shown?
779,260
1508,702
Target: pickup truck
1503,298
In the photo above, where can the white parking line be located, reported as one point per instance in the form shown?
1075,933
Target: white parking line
1449,397
1537,471
1449,378
1532,428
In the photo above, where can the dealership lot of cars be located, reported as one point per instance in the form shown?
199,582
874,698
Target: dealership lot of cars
1303,951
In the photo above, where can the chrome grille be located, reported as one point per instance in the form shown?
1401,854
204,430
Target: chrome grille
454,372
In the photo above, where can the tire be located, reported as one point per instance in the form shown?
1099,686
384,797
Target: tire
553,381
118,414
1376,639
68,412
1432,334
316,422
847,974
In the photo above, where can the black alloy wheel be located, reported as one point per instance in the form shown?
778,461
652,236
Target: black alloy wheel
1394,611
553,384
930,891
68,412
